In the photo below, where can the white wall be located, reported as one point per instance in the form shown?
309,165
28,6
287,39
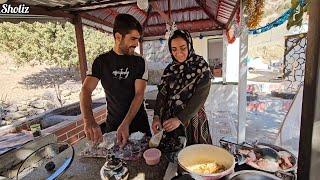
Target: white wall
155,47
201,46
232,64
215,49
232,71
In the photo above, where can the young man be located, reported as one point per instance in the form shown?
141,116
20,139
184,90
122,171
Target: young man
124,78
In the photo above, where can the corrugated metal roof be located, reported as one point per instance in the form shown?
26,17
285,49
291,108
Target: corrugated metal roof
55,3
193,15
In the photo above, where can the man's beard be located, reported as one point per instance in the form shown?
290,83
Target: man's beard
124,49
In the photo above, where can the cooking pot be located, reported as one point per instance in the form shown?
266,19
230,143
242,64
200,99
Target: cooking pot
205,153
252,175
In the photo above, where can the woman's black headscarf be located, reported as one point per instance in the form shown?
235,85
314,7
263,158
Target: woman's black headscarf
180,80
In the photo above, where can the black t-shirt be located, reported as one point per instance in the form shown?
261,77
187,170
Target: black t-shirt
118,74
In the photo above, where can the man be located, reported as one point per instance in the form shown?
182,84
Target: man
124,78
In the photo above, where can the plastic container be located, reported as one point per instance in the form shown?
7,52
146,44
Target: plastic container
152,156
36,130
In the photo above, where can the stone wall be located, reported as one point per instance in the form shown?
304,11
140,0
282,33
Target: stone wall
157,57
70,130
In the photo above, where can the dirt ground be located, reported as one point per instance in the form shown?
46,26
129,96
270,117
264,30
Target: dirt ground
21,83
31,82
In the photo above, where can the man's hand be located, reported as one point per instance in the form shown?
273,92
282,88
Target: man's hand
171,124
122,134
93,131
156,124
91,128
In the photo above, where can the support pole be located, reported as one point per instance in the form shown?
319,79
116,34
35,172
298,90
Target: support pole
141,47
308,160
169,9
224,57
242,85
81,47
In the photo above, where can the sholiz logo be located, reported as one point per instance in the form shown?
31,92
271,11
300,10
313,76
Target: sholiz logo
10,9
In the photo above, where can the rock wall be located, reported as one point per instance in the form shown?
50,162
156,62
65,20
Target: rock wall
157,56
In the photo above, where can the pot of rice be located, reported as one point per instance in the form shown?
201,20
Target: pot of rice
204,161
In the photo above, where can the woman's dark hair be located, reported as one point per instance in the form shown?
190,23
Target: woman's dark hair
124,23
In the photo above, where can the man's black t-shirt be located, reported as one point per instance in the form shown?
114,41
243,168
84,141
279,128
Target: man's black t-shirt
118,74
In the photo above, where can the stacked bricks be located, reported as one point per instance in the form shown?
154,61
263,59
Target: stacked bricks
68,131
74,131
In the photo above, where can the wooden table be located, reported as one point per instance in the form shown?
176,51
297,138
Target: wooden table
89,168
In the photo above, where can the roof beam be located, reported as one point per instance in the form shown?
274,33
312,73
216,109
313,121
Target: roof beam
228,2
156,7
205,21
135,6
224,13
101,20
97,27
100,5
95,19
225,9
232,14
223,16
159,34
94,5
192,26
108,13
178,10
147,17
203,6
217,32
227,5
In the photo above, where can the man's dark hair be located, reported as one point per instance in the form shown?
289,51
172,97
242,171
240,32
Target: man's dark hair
124,23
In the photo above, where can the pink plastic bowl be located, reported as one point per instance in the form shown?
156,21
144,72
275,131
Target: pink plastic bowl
152,156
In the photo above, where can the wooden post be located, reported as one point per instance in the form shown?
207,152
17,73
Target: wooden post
224,57
169,9
81,48
141,47
242,85
308,161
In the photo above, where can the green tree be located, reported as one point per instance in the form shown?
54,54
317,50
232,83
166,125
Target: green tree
50,43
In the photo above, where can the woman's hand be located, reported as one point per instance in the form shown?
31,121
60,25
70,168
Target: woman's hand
171,124
156,124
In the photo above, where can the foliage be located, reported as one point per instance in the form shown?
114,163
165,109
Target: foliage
296,17
50,43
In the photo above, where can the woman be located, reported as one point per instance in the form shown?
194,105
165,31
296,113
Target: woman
184,88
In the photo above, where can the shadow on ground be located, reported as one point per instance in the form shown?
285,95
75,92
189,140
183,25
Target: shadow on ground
49,77
264,76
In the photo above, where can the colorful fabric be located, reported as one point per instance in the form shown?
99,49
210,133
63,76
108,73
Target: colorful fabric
198,130
179,80
178,85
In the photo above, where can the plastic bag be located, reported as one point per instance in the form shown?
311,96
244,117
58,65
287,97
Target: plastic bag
100,150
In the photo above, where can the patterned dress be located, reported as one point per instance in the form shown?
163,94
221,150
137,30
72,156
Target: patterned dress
183,90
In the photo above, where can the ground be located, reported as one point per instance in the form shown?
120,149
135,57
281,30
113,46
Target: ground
30,90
